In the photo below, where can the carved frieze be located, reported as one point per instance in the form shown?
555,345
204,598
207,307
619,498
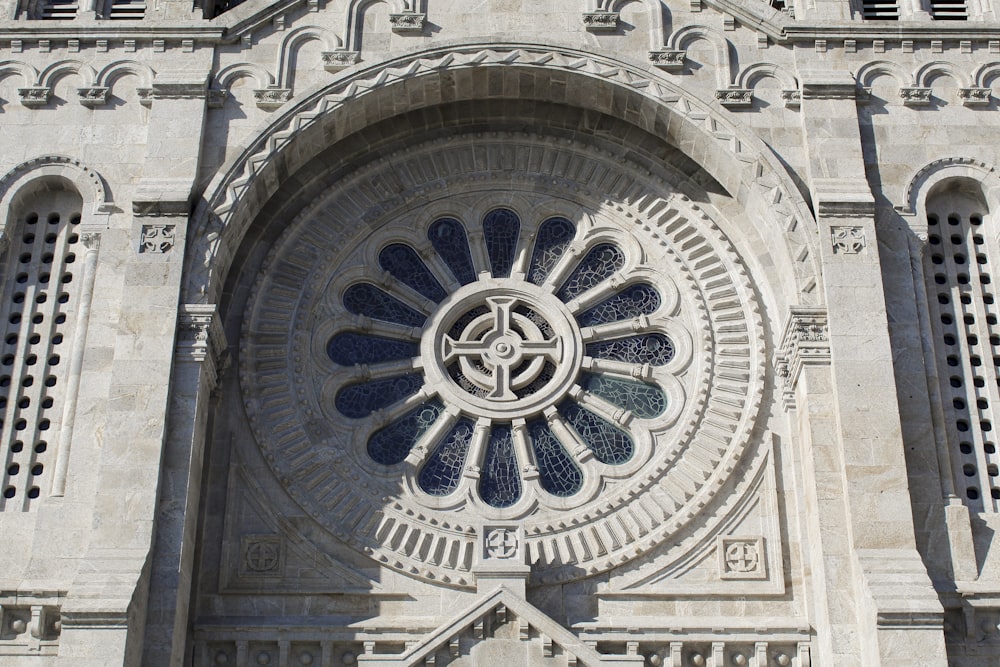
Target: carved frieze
35,96
974,97
271,98
805,341
914,96
601,21
734,97
334,61
671,60
407,22
93,96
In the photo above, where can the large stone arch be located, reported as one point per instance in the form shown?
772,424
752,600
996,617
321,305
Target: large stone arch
735,158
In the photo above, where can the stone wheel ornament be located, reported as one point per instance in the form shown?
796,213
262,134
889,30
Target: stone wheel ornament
538,358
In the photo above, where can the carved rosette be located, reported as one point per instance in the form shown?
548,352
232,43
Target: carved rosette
805,341
682,460
734,97
848,240
157,239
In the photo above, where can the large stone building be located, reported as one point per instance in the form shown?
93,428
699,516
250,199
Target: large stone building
499,332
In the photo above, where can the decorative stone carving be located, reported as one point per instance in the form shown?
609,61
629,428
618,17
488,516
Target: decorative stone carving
271,98
35,96
742,558
93,96
671,60
157,239
601,21
334,61
975,97
408,22
216,98
200,338
805,341
792,98
734,97
145,96
847,240
914,96
261,555
502,543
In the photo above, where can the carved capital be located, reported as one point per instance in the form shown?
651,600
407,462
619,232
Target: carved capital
35,96
94,96
271,98
407,22
805,341
200,338
334,61
671,60
734,97
974,97
792,98
601,21
914,96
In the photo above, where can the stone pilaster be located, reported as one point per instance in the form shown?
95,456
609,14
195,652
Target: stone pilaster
853,419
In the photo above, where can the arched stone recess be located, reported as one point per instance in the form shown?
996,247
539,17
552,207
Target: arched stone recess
225,77
354,19
291,43
936,173
867,74
52,172
111,73
28,74
57,70
682,39
735,158
986,74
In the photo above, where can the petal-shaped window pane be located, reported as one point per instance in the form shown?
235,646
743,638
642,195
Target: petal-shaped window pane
558,472
391,444
405,265
609,443
367,299
632,302
602,262
447,235
361,399
501,228
654,349
643,400
348,349
500,484
443,471
554,236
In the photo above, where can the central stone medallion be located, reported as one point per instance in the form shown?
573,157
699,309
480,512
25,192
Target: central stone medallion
506,349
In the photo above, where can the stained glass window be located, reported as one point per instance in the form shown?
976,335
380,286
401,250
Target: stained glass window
500,483
367,299
501,228
599,264
554,236
654,348
631,302
405,265
447,235
391,444
442,472
361,399
349,348
558,473
609,443
643,400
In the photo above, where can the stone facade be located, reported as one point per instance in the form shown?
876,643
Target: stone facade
440,332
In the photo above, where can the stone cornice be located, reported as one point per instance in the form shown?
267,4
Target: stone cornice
804,342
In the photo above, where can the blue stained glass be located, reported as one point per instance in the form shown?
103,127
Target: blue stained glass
609,443
405,265
391,444
500,484
632,302
367,299
554,236
363,398
599,264
348,349
447,235
443,470
643,400
655,349
501,228
557,470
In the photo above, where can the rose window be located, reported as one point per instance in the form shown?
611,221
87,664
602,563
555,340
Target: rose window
502,359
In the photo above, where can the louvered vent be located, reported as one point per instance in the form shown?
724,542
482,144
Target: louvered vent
880,10
949,10
55,10
127,9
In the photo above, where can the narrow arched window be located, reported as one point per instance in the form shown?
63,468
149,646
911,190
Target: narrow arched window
37,319
962,300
